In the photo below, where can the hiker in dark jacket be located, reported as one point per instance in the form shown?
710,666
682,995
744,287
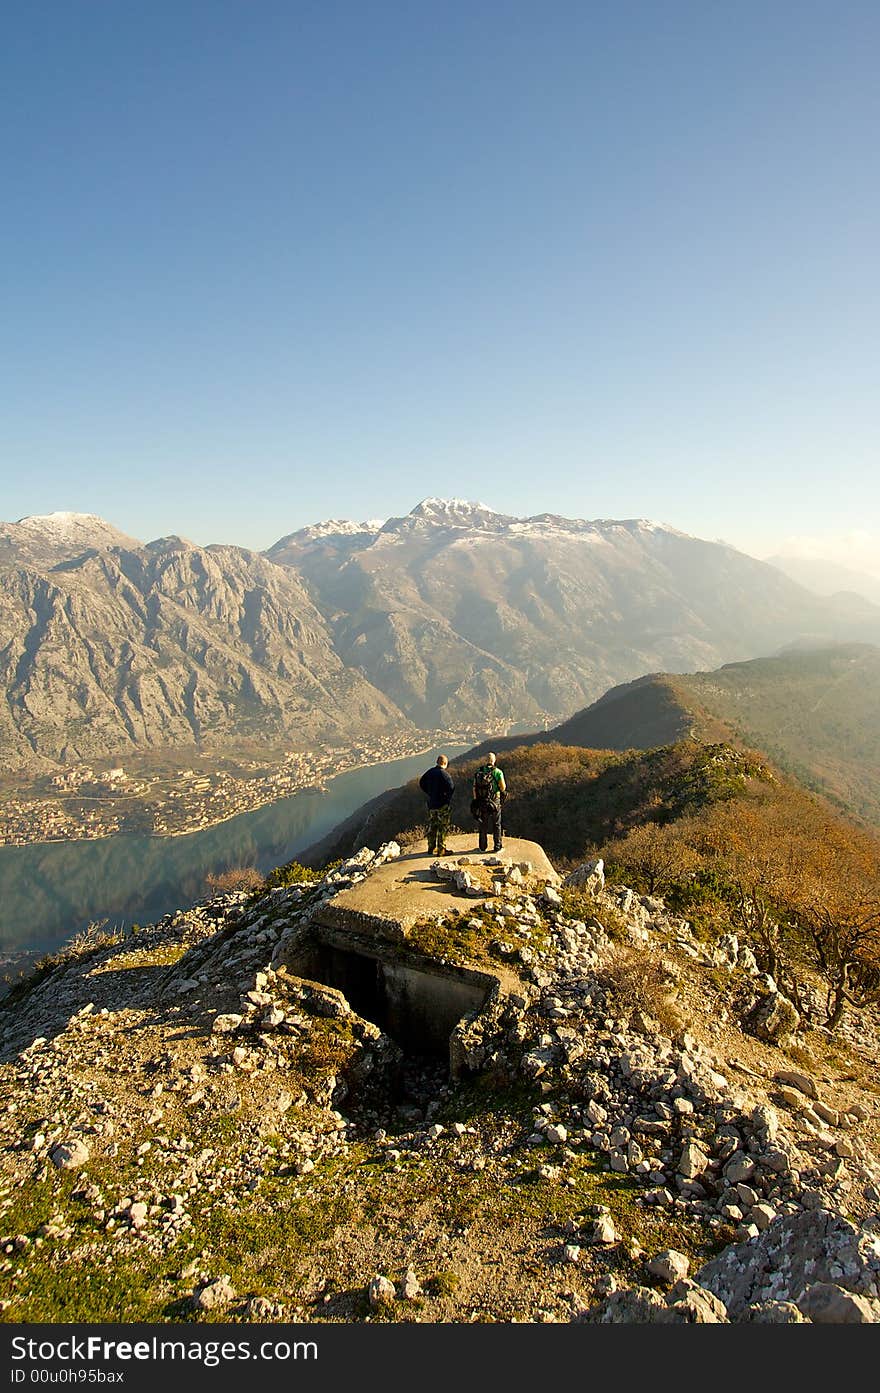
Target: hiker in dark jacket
490,791
437,785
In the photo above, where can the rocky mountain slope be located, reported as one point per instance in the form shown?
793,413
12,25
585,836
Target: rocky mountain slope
613,1145
163,645
46,540
456,611
452,615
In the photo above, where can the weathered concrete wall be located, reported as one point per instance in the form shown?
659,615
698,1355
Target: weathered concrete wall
416,1004
426,1006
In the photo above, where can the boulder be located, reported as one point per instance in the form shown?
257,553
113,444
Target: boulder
589,876
633,1305
69,1155
412,1287
774,1018
828,1304
687,1304
775,1313
669,1266
380,1292
226,1023
795,1079
215,1295
693,1161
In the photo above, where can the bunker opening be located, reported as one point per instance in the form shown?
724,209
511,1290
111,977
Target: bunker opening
417,1007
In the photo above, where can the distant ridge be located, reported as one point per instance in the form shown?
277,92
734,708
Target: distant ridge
460,613
49,538
827,577
816,712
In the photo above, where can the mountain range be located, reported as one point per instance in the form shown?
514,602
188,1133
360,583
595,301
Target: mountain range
123,646
454,614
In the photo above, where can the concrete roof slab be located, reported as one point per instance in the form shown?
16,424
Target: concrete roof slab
404,892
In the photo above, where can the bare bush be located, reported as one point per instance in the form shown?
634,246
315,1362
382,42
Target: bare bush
236,878
638,981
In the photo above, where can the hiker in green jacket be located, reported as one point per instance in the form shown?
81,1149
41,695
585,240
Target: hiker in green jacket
490,790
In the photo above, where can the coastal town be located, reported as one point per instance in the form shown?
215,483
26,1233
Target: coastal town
82,802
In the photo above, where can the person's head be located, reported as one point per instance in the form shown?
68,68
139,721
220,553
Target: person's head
442,761
490,759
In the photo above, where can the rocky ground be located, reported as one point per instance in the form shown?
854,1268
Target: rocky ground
191,1133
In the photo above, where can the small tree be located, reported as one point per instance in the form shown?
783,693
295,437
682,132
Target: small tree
236,878
655,857
760,864
838,904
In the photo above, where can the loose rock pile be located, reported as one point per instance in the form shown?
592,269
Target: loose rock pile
770,1170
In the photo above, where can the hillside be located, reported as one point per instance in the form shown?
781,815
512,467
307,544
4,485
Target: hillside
815,713
709,825
198,1125
572,799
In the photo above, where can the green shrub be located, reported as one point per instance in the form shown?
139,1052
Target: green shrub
293,873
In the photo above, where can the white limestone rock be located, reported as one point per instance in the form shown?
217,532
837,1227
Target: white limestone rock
69,1155
775,1018
602,1232
739,1168
796,1079
825,1303
215,1295
693,1161
381,1292
794,1252
589,876
412,1287
226,1023
669,1266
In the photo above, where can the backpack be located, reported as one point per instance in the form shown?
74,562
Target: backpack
484,785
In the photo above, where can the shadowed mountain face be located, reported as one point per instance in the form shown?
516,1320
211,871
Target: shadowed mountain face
456,612
451,615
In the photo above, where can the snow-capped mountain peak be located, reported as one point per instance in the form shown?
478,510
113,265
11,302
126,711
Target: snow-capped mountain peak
63,534
65,526
340,527
459,514
444,509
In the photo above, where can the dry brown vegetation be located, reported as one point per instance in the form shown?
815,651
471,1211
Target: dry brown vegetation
237,878
802,885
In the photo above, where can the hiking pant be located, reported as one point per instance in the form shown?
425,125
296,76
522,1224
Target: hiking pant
490,821
438,827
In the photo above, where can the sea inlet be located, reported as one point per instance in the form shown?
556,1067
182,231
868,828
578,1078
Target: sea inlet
50,891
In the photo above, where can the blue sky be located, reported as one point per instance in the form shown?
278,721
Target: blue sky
265,263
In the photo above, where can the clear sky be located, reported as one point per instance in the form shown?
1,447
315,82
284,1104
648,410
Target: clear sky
266,262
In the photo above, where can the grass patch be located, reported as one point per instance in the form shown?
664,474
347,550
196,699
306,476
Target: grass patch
442,1284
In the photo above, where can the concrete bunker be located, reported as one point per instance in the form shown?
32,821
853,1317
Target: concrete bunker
415,1000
